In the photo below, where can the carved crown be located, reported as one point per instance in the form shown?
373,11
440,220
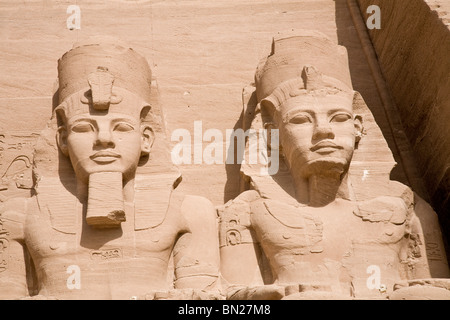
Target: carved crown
100,65
292,51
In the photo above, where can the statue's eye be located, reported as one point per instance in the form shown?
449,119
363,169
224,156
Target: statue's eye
340,117
83,127
123,127
301,119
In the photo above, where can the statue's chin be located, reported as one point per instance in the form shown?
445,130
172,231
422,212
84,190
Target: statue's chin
326,167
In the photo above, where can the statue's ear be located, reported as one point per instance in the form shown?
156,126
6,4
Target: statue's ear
61,140
147,139
359,105
147,133
268,114
358,120
268,107
61,133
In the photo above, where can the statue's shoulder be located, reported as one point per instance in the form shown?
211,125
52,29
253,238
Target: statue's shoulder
239,205
245,197
394,203
238,210
416,204
392,209
400,190
252,208
197,203
185,204
191,210
292,215
13,215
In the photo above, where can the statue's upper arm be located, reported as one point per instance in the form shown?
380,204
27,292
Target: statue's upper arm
196,254
238,245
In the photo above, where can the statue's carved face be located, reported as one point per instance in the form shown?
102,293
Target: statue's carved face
104,142
317,133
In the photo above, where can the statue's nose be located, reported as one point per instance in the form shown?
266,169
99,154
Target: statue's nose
104,139
323,130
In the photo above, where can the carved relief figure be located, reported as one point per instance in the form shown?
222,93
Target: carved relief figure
106,221
15,166
330,223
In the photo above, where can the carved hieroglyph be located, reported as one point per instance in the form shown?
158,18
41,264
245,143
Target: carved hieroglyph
106,221
330,223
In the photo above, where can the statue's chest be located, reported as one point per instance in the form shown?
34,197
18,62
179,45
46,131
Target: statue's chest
330,232
281,227
90,246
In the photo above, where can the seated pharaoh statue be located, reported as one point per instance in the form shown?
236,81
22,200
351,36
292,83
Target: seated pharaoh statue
105,220
329,223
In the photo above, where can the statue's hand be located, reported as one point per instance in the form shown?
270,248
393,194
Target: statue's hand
267,292
422,289
283,292
185,294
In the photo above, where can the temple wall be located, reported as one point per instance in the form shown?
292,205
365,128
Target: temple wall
413,48
203,53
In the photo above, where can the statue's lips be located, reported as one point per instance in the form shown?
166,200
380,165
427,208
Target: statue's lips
325,146
105,156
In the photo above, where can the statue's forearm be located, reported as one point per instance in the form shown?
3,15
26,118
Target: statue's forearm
13,279
13,270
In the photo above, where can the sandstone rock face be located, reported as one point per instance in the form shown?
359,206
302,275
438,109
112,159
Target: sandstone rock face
408,37
201,56
185,70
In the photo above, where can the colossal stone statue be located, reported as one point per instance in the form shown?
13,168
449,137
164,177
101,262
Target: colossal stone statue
330,223
105,220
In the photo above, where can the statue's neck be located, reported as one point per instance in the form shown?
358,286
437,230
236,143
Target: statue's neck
320,190
128,191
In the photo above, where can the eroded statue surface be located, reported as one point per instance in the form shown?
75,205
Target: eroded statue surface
330,224
106,220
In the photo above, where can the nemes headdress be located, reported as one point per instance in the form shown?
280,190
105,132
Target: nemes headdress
98,76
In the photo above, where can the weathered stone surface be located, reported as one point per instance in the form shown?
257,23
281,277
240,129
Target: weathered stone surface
412,46
202,54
